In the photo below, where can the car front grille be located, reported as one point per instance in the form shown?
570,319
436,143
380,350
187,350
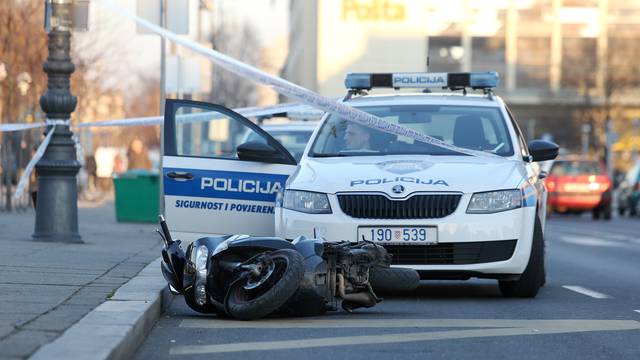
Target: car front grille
373,206
460,253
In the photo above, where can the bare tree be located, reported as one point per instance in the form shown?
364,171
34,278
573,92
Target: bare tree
622,82
242,43
23,49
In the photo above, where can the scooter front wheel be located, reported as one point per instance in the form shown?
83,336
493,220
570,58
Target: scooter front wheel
281,279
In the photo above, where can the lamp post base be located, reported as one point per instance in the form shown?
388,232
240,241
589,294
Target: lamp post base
57,205
70,238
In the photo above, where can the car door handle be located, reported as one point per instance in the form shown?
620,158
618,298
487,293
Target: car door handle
180,176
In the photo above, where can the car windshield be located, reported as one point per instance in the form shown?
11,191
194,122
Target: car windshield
293,140
471,127
574,168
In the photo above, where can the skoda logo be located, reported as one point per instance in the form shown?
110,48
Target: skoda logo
398,189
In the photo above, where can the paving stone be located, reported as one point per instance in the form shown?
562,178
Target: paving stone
50,270
35,293
88,299
27,278
24,343
13,319
5,330
59,319
46,287
25,307
102,287
108,280
127,270
90,294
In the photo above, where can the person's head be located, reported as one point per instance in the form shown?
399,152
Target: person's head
136,146
357,137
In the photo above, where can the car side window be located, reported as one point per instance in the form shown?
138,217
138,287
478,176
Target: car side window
524,150
207,133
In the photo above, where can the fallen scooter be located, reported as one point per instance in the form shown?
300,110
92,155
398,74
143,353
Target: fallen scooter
247,277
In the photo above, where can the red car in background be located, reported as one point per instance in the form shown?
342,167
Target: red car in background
579,185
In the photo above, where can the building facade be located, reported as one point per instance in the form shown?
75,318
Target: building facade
559,60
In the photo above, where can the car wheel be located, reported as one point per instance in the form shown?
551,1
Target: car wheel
534,275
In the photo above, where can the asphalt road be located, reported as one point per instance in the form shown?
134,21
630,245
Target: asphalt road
589,309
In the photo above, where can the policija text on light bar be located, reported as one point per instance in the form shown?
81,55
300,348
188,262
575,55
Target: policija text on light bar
453,81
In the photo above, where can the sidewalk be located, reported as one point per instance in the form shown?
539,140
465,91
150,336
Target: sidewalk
47,287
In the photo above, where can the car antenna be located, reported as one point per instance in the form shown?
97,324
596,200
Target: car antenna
427,90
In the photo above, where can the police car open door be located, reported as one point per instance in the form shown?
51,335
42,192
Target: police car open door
221,172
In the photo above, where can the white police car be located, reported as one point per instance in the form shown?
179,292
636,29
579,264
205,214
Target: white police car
294,135
472,208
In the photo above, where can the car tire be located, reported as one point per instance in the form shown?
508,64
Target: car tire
534,275
240,307
390,280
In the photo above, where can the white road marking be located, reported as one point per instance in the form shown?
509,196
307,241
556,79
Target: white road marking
585,291
351,322
589,241
621,237
491,328
638,311
571,233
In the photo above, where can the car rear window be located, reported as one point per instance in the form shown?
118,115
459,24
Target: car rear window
578,167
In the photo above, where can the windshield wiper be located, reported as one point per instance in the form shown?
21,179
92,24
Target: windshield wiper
344,153
322,155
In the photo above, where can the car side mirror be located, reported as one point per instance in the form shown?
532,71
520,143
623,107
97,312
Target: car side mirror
542,150
260,152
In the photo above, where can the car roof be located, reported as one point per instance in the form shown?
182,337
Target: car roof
429,98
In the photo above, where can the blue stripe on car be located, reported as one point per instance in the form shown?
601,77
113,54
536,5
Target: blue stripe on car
529,195
225,184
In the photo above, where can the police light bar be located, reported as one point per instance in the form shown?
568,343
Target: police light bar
453,81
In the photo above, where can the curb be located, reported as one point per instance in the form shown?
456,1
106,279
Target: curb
117,327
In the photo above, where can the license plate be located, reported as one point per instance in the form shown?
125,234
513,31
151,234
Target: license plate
571,187
425,235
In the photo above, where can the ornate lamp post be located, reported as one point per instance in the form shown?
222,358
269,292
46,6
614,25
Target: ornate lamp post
57,205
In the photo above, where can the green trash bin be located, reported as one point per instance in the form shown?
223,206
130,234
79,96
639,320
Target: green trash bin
137,196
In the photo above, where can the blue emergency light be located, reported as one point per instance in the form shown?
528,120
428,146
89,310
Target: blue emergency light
453,81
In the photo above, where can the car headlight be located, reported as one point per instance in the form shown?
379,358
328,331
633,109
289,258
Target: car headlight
494,201
306,202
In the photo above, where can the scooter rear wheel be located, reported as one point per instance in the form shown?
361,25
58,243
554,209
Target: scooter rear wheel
283,281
